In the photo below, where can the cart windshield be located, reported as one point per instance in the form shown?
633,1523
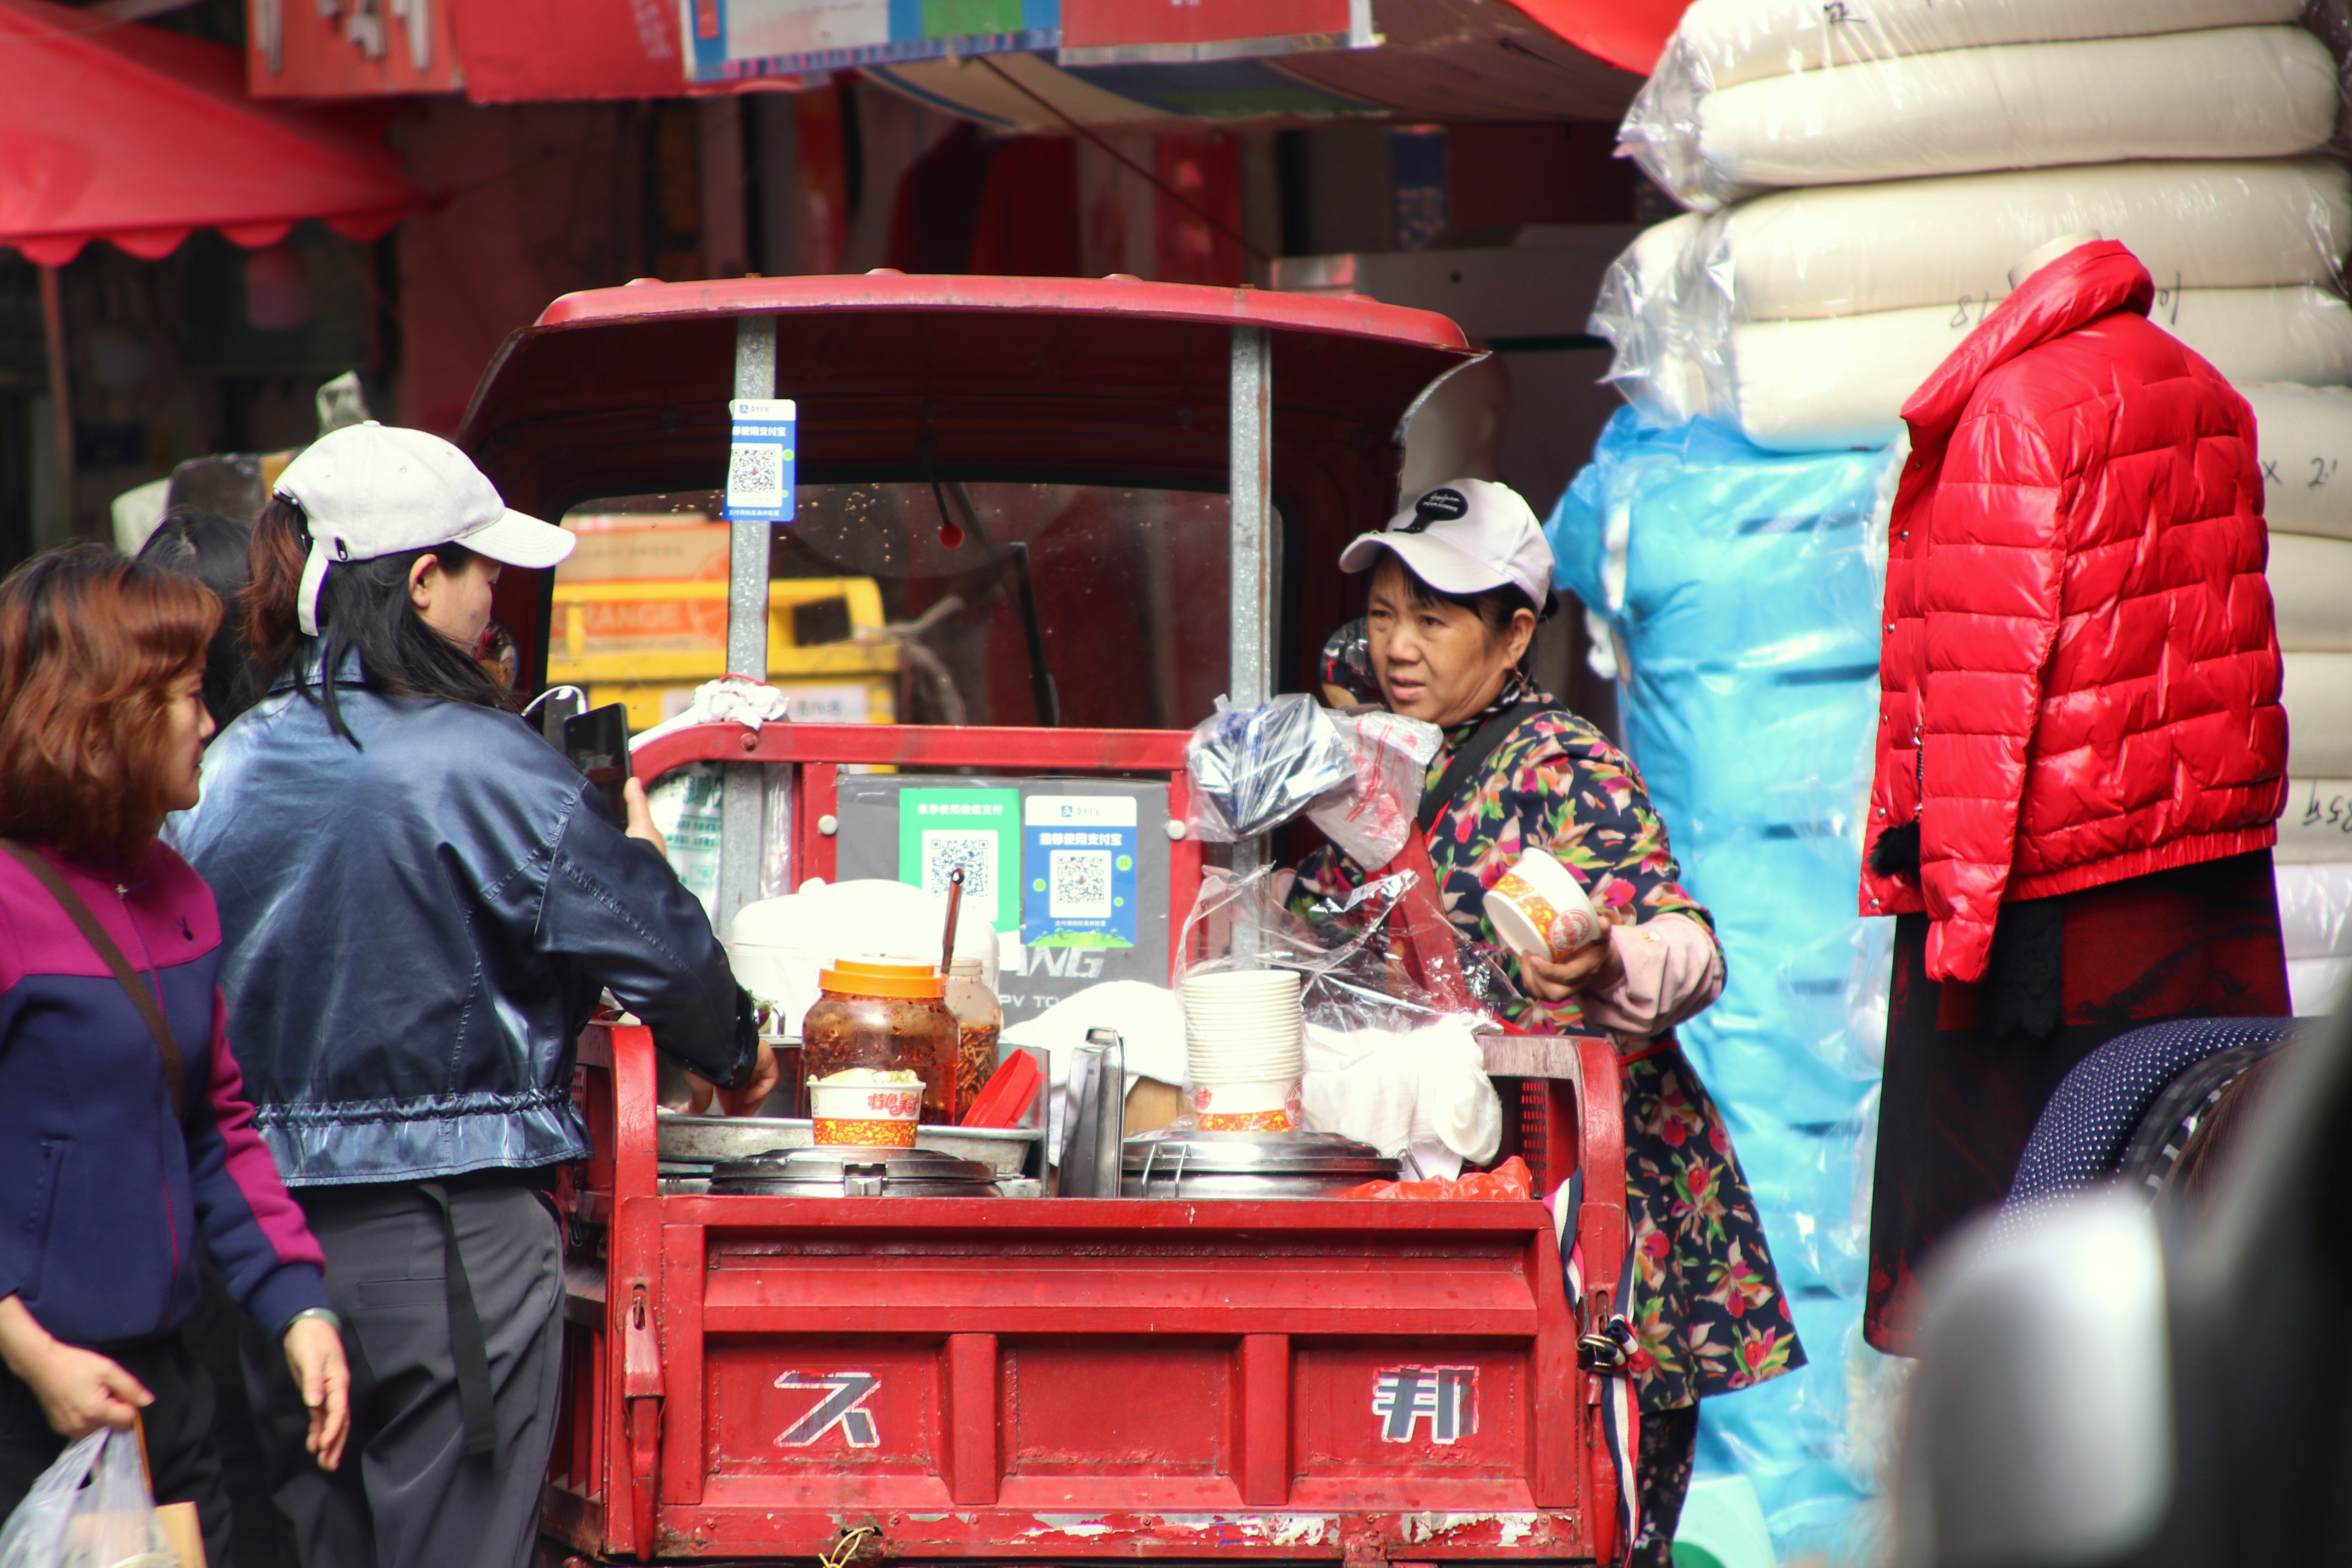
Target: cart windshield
982,602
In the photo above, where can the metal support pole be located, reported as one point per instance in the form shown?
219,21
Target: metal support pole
1257,552
740,813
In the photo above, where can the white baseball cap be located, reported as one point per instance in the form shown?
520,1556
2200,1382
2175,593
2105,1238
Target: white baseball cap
1465,536
378,489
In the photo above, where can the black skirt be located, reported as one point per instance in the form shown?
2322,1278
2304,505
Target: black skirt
1969,1066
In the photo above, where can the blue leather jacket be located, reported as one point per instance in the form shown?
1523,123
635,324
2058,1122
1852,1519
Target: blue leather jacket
417,928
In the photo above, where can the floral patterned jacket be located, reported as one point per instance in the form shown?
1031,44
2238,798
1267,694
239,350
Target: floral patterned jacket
1708,1312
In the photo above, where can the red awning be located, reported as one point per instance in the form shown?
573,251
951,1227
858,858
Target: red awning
118,132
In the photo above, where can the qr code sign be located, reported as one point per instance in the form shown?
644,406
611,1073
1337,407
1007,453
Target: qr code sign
1078,884
945,853
755,475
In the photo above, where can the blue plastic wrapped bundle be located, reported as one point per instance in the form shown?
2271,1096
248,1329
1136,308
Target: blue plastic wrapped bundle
1742,591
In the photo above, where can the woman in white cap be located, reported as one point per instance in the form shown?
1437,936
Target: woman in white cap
420,901
1459,580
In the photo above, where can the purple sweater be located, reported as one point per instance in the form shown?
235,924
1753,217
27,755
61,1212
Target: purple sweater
104,1194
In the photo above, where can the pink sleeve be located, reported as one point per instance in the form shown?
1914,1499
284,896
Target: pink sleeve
1672,970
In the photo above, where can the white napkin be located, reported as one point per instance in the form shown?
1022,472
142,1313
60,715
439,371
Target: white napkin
1422,1093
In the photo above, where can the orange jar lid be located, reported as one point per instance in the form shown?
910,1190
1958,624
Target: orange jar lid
883,977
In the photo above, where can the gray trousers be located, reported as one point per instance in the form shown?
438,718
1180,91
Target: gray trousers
408,1494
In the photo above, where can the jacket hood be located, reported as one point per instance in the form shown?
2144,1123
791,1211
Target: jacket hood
2087,282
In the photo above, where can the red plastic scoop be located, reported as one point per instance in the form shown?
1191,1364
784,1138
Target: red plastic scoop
1005,1098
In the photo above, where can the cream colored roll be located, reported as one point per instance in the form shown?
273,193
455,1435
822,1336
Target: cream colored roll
2315,828
1741,40
2230,92
2306,437
1822,385
2311,584
2318,698
1842,250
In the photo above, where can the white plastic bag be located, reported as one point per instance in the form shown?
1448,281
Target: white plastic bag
109,1523
1372,816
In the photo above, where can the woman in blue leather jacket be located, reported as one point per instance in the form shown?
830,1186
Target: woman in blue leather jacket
421,901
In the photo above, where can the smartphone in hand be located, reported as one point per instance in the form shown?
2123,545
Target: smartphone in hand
597,741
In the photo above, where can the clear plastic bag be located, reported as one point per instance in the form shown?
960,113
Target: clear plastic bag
1367,997
1253,769
1753,95
91,1509
1372,816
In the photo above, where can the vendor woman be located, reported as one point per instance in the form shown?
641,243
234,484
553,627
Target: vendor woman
1459,579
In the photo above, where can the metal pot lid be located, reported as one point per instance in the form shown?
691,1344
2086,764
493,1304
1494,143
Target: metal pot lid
836,1165
1255,1153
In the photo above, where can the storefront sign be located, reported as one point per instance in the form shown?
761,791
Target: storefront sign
728,39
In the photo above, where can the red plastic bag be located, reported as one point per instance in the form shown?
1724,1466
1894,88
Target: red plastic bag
1511,1180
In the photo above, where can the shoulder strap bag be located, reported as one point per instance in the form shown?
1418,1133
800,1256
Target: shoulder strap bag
175,1071
1472,757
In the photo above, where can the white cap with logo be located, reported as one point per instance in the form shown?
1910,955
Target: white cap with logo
1466,536
379,490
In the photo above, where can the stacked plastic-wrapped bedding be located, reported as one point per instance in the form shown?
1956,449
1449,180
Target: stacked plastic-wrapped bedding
1862,178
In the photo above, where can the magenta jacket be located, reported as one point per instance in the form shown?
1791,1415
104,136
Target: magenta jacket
105,1195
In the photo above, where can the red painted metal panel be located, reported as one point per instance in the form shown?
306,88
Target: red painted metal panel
1054,1380
1263,1409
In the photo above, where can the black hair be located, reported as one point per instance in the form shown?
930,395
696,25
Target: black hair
364,605
212,549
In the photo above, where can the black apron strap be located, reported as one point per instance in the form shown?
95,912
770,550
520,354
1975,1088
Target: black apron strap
468,1349
1470,759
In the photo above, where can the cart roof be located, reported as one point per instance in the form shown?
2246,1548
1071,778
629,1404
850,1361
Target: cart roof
621,390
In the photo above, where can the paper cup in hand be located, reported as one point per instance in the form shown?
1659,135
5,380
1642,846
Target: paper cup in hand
1539,909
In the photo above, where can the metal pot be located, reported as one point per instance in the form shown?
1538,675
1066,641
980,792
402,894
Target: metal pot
1174,1163
835,1172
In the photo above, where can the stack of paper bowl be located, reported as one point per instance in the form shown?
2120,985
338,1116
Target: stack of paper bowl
1242,1035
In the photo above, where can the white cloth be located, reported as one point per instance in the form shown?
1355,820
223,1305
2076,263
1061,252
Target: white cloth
777,946
2305,436
2230,92
729,699
1150,1023
1672,970
1422,1092
2318,698
2311,588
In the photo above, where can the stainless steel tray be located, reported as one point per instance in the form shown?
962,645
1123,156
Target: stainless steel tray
708,1140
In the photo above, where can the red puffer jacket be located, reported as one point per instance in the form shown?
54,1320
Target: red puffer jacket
2080,680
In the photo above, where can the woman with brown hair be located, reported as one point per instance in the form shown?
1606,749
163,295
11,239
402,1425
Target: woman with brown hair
126,1140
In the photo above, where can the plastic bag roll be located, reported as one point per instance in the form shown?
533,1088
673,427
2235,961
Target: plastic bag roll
2318,698
1732,41
2224,93
2315,904
1819,385
2305,436
2311,588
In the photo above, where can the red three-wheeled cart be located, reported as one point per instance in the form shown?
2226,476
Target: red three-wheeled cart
1038,1379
